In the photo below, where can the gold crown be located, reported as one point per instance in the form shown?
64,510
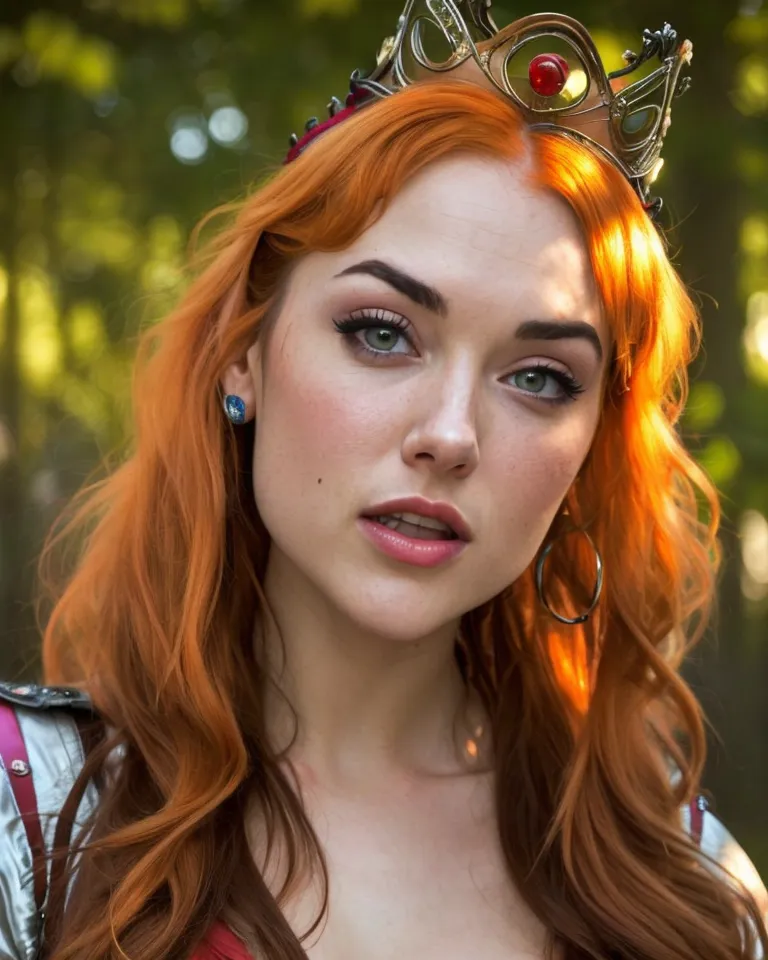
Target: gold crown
547,64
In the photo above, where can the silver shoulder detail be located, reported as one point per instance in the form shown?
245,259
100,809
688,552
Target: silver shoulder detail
55,759
731,860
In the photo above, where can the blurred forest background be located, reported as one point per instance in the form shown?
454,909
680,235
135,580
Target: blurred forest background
124,121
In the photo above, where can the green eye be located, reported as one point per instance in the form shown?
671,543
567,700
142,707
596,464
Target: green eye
547,385
534,381
381,338
375,334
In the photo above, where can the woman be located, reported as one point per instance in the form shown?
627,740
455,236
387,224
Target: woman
362,689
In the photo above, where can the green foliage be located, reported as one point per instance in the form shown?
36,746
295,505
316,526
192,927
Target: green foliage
706,404
337,8
721,459
164,13
751,90
52,47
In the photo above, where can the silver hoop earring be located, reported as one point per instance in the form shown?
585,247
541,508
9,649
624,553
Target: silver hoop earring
234,407
598,584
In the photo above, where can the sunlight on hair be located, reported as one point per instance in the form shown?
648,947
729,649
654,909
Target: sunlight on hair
614,241
569,660
574,170
644,246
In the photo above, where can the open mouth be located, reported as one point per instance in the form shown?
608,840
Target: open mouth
416,531
415,526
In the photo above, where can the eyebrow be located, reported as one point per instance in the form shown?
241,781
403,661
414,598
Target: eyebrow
430,298
560,330
421,293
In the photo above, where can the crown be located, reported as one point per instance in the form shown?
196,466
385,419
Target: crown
547,64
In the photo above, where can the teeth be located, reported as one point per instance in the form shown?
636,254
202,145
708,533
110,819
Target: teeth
392,519
424,521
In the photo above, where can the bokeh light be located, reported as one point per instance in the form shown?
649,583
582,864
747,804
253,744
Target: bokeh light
755,337
754,555
227,126
189,139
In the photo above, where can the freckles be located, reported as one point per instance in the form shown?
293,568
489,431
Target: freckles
320,421
540,467
543,480
341,410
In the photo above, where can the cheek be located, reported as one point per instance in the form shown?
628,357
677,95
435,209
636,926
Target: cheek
316,430
541,470
532,475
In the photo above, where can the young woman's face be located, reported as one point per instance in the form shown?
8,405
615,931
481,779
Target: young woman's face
453,354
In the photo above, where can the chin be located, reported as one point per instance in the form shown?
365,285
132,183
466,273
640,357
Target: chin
400,622
403,608
342,585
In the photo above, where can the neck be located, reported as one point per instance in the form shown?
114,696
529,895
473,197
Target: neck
354,703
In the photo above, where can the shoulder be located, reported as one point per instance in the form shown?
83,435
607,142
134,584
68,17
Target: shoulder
41,755
36,697
723,854
47,720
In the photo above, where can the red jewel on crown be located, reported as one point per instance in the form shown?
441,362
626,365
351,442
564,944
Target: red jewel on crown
548,74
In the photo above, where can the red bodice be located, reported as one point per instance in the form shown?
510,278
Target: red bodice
221,944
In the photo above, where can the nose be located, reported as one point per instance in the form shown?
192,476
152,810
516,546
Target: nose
443,434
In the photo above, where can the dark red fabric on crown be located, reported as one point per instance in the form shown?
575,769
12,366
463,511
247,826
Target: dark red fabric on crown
353,103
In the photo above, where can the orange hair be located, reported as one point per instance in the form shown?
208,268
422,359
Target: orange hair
156,620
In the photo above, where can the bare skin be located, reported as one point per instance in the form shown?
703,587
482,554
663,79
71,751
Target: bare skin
392,754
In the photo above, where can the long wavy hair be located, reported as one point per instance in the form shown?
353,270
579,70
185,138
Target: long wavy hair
598,740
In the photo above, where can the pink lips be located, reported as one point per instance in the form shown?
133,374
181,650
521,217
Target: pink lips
418,553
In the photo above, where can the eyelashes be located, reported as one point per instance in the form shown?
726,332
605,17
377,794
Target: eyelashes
569,384
390,329
385,322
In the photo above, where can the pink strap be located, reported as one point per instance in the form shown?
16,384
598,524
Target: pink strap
13,753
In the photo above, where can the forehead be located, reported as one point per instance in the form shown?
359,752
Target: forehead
475,229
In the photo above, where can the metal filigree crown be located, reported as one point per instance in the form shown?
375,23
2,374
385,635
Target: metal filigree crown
547,64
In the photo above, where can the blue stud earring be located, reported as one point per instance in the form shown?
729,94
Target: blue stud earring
234,407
